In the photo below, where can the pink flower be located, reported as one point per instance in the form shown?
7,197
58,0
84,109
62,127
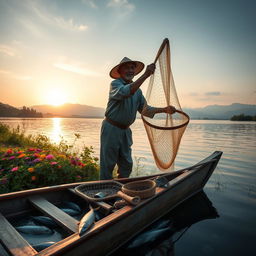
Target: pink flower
49,157
54,163
11,157
15,169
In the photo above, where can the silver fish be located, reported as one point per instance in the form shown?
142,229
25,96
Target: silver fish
147,237
34,230
86,222
42,246
45,221
70,212
73,206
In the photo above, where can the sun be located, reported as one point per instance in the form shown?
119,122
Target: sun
56,97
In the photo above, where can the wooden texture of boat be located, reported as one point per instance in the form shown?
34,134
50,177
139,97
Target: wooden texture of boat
110,232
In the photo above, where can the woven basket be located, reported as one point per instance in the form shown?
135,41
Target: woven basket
143,188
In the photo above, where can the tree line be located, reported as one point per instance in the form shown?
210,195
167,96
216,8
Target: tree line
243,117
9,111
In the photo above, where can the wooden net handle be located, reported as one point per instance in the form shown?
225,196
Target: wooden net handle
131,200
166,41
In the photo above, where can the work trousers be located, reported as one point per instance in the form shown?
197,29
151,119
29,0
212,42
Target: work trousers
115,148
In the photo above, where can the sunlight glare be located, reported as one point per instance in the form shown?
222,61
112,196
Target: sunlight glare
56,98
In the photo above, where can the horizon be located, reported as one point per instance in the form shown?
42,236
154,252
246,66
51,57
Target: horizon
68,103
53,52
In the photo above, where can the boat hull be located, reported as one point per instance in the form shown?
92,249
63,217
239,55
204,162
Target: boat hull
116,229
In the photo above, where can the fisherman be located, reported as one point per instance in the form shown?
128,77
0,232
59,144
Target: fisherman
125,99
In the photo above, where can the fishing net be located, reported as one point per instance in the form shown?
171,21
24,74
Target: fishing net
164,130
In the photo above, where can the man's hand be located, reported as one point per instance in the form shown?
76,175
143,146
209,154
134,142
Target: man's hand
150,70
170,109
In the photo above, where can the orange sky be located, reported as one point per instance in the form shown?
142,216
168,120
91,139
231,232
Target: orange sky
53,52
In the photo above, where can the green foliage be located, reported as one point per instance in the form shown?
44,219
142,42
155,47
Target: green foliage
32,161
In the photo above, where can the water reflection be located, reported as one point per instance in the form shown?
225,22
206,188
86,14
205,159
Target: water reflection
160,238
56,130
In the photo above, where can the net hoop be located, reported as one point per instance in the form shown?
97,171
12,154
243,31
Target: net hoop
168,128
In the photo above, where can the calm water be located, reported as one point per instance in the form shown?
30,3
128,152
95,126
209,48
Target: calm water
231,189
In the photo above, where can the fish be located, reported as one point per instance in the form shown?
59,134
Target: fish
160,224
73,206
45,221
70,211
147,237
86,222
42,246
34,230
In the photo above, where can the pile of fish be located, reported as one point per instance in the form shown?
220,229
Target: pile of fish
42,227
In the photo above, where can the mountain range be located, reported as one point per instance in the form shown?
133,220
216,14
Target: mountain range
208,112
79,110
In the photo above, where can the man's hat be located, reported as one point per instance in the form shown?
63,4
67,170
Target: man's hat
138,67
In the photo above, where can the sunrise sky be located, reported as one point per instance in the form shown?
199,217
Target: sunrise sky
56,51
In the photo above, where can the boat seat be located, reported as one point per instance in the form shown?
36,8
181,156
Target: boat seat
63,219
13,241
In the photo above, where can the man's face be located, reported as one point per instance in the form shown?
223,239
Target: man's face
127,70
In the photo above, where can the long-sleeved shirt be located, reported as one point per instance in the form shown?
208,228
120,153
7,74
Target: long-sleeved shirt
123,105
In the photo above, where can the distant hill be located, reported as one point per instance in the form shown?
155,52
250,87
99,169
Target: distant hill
224,112
70,110
220,111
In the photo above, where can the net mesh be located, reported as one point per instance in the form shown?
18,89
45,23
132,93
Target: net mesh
164,130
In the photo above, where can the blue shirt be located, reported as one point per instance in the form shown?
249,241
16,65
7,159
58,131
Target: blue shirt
122,105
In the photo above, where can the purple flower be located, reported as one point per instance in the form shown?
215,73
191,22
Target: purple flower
37,160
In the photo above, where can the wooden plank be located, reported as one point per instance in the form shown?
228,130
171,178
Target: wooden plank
12,240
63,219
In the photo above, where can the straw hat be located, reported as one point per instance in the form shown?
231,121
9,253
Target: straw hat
114,71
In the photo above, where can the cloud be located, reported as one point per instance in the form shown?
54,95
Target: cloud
8,50
69,24
53,20
212,93
193,94
91,3
121,5
74,67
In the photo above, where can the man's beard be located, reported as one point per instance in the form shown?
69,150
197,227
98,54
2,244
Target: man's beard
129,77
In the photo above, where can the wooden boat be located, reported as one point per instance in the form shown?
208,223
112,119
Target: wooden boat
110,232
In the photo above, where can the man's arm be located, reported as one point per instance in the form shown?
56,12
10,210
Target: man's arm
151,111
148,72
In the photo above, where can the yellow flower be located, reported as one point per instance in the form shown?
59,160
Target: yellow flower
42,156
31,169
63,156
33,178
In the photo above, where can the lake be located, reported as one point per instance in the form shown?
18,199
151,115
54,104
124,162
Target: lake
231,189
